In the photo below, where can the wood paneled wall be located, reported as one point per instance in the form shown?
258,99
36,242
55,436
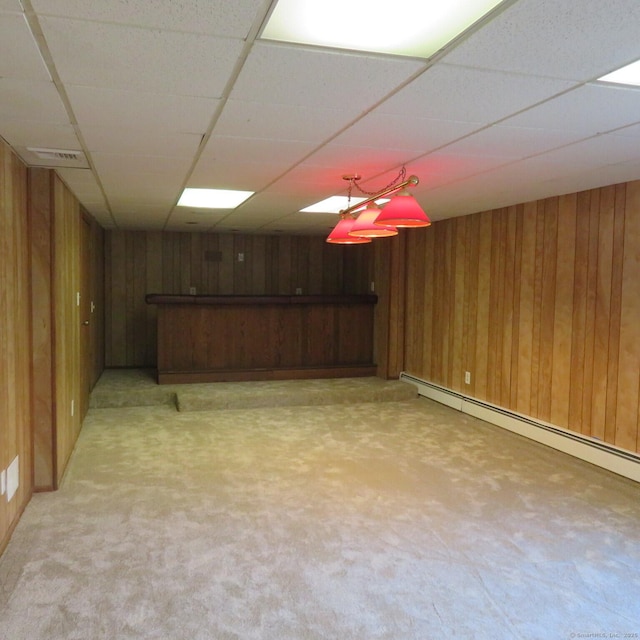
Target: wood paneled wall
139,262
540,302
67,355
41,221
15,345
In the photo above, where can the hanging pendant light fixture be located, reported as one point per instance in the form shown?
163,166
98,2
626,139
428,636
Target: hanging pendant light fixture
403,211
364,226
340,233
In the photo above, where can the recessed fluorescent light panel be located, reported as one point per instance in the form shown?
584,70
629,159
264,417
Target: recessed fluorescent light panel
626,75
414,28
213,198
336,204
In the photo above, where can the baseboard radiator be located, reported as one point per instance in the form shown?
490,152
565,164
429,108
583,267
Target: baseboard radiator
589,449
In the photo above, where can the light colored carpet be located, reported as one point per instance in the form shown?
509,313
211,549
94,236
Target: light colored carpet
394,520
137,387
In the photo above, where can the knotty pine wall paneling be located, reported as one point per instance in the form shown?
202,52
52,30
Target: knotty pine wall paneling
15,338
540,302
66,362
141,262
67,356
389,274
42,317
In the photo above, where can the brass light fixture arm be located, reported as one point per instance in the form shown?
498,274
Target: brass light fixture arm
411,180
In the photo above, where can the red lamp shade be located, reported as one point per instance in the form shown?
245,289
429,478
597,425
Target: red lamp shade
364,226
340,233
403,211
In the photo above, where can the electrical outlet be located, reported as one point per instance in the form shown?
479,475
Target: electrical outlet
373,286
241,257
298,290
467,377
192,291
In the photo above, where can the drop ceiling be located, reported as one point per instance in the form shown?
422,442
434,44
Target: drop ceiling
161,95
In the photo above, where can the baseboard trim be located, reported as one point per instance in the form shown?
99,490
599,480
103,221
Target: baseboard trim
592,450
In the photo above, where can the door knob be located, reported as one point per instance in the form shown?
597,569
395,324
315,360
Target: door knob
86,322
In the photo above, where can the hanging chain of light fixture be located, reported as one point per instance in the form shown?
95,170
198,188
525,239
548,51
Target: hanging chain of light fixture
361,222
353,182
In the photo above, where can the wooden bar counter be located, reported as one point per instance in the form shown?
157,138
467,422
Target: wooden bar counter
233,338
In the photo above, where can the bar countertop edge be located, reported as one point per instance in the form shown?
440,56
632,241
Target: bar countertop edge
170,299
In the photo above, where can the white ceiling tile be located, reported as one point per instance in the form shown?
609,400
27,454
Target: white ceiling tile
30,100
269,203
145,86
612,174
632,130
447,92
245,176
512,142
130,141
97,107
240,149
445,167
292,225
204,216
366,161
314,78
82,182
160,194
595,152
121,57
33,133
215,17
280,121
19,55
122,165
150,206
420,135
554,38
104,219
591,109
145,179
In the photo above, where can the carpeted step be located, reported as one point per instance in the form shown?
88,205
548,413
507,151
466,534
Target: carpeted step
151,397
244,395
138,388
130,388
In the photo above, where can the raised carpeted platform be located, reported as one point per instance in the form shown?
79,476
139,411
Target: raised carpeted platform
137,387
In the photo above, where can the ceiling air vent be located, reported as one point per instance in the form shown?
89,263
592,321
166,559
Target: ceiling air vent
57,154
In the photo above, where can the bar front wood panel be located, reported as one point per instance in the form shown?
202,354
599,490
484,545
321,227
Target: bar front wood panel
540,302
264,338
141,262
15,343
